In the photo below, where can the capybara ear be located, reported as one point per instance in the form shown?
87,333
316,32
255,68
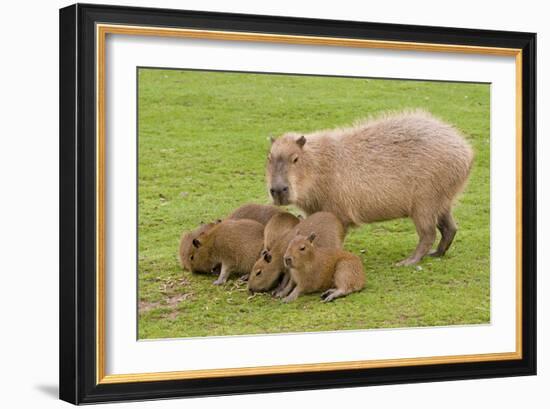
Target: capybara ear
311,237
267,257
264,252
271,139
301,141
218,221
196,243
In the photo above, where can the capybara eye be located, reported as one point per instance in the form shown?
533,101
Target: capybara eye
258,272
295,159
302,248
192,257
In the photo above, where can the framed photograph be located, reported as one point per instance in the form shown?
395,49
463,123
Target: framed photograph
257,203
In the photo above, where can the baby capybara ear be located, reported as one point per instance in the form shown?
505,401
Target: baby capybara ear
271,139
267,257
311,237
196,243
301,141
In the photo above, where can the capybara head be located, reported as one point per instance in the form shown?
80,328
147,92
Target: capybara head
200,255
186,243
266,272
285,167
300,251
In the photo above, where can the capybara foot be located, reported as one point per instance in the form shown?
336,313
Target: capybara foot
327,293
410,261
244,277
436,253
289,298
334,293
219,281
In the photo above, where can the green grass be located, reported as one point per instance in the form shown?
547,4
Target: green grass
203,139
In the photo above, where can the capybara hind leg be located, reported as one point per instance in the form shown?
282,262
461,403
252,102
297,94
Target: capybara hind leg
425,227
447,227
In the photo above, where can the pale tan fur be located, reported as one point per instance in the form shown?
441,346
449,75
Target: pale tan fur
260,213
269,268
312,269
399,165
232,244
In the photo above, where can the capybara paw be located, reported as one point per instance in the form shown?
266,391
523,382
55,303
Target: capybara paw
219,282
327,293
329,298
289,298
436,253
244,277
407,262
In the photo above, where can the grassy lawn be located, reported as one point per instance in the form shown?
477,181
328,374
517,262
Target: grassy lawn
203,139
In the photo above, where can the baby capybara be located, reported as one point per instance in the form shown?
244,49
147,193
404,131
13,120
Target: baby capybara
269,269
334,271
260,213
400,165
231,245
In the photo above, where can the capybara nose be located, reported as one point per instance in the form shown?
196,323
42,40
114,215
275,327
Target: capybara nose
288,261
278,190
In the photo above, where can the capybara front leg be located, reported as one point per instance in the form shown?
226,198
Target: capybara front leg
285,291
447,227
425,227
334,293
282,284
224,275
293,295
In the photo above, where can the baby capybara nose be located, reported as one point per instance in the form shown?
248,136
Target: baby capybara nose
288,261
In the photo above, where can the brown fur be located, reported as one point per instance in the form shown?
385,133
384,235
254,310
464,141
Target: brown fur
232,244
260,213
269,268
402,165
186,244
334,271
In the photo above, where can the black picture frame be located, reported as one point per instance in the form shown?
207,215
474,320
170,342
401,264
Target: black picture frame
78,360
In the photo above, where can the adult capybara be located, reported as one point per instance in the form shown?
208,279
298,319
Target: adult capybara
260,213
231,245
334,271
270,268
397,165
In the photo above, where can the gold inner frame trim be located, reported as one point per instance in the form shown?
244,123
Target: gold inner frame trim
101,33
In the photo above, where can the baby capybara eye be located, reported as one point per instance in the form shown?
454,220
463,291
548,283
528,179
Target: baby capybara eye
192,257
258,272
302,248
